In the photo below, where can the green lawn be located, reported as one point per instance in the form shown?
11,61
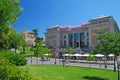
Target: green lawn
52,72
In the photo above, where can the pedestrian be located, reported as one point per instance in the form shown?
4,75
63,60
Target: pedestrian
63,62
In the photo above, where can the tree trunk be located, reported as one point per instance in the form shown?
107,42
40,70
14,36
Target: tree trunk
114,63
105,62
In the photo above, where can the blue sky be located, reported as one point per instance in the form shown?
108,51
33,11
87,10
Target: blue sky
43,14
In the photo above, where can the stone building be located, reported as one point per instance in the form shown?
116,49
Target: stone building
29,37
81,36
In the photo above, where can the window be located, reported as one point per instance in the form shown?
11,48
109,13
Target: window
51,43
70,36
82,35
87,42
77,44
64,43
64,36
100,21
87,33
76,35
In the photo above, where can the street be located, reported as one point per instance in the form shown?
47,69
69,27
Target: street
81,63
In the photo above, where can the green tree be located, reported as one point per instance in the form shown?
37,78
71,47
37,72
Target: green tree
35,32
9,11
16,40
41,50
23,44
90,58
109,44
48,51
4,36
37,38
69,52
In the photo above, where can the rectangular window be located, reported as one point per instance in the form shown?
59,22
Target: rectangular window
51,43
99,21
70,36
82,35
76,36
64,36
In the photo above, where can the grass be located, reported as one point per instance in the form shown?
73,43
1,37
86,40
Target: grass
54,72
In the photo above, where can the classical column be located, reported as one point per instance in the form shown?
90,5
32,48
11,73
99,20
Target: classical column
58,40
67,39
85,38
90,37
79,39
73,40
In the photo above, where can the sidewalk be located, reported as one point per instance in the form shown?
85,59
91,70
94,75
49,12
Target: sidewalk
81,63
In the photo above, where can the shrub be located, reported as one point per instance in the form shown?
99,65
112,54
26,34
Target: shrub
14,58
9,71
17,73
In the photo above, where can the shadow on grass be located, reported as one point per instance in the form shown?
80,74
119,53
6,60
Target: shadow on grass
94,78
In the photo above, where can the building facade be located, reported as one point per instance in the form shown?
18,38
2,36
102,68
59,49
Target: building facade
80,36
29,37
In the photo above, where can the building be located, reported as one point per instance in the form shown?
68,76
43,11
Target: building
29,37
81,36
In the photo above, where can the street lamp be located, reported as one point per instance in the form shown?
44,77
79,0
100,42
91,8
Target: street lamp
56,51
114,63
55,59
118,69
63,61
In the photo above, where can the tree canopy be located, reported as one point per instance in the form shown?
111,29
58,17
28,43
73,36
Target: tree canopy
68,50
9,11
41,49
109,43
16,40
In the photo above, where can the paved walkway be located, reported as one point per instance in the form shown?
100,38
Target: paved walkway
81,63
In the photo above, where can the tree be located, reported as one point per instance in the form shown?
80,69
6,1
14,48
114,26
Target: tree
69,51
41,50
4,36
37,38
9,11
109,44
48,51
23,43
35,32
16,40
90,58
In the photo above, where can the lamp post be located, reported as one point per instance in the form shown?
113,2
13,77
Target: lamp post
64,52
55,57
63,61
56,51
118,69
114,63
